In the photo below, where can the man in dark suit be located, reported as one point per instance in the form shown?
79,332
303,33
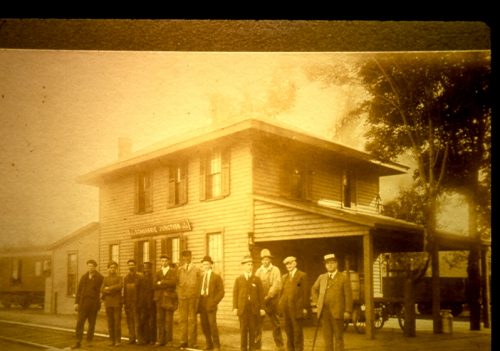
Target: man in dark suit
146,305
130,284
211,293
333,293
87,302
111,290
248,303
166,300
294,304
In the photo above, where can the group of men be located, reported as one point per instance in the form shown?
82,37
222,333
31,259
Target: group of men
150,299
267,292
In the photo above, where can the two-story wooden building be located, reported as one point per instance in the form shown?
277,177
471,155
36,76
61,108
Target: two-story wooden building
244,186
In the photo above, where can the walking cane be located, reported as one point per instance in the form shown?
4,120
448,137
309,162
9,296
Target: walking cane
316,331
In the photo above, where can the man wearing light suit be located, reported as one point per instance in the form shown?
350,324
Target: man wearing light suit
294,304
333,293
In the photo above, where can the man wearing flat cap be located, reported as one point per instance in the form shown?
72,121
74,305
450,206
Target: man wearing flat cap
111,291
294,304
332,291
87,302
188,292
165,283
211,293
248,303
271,283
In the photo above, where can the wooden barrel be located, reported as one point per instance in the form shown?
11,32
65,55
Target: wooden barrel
355,286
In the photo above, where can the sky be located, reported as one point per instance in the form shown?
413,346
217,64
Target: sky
62,113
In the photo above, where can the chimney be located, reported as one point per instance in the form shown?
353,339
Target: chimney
124,148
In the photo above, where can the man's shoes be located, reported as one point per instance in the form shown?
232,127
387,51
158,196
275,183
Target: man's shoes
183,345
159,344
131,342
111,344
208,348
194,346
118,344
76,346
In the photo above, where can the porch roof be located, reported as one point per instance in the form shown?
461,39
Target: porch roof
389,234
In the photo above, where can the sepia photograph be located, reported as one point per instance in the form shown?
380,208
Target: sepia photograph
245,185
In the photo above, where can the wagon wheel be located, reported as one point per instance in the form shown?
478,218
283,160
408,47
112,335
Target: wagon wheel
359,320
401,318
379,318
346,324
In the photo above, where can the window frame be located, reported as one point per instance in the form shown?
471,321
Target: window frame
301,190
206,162
111,258
218,265
348,175
71,293
177,188
144,192
167,247
139,252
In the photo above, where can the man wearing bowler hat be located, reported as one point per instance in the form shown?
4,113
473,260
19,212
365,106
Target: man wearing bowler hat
248,303
271,283
211,293
294,304
87,302
332,291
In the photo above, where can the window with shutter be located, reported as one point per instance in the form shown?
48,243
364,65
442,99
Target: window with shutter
295,181
214,248
177,185
143,193
215,175
172,246
348,189
144,251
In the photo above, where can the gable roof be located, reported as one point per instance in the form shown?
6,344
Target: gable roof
85,230
227,129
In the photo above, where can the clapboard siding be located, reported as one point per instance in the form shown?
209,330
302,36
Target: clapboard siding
274,222
230,215
325,175
367,191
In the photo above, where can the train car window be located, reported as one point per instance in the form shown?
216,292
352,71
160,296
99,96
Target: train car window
17,266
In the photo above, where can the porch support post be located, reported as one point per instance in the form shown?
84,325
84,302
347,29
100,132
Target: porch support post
368,284
485,287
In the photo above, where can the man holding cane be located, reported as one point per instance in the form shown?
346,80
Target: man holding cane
332,291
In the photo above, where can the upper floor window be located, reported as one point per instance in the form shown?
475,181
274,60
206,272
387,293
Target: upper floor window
295,181
177,185
348,189
214,174
143,193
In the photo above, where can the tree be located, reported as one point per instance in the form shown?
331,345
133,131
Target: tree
437,107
